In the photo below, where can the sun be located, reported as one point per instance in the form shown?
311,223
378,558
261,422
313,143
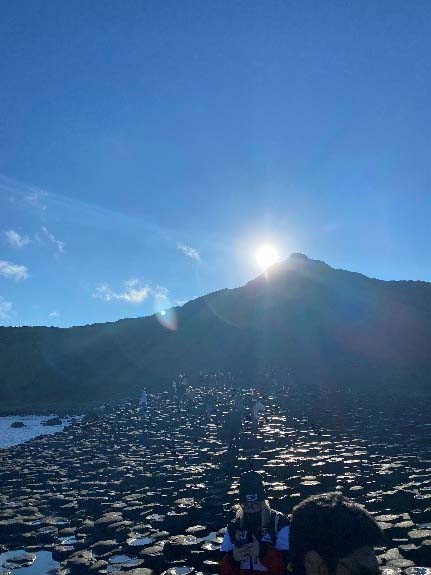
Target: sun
266,256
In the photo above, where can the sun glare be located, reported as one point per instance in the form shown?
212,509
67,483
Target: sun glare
266,256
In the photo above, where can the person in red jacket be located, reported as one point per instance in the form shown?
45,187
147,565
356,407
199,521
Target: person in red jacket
257,540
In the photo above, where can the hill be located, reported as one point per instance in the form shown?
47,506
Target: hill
302,318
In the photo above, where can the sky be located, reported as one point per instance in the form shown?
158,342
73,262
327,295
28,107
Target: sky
147,149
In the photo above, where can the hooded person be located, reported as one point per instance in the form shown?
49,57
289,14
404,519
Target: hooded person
257,540
332,535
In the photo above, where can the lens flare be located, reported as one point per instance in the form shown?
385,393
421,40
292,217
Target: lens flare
165,314
168,319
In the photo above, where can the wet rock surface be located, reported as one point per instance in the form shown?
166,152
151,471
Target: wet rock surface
149,494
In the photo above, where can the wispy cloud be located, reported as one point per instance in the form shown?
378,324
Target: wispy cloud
5,308
86,215
54,318
46,236
15,239
18,191
37,199
133,292
189,251
13,271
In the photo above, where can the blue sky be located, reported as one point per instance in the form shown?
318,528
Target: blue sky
148,148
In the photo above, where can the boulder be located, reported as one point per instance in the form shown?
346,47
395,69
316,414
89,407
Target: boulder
53,421
102,547
154,558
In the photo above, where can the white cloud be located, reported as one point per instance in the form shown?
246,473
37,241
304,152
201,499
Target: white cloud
133,292
47,236
54,318
13,271
189,251
5,308
15,239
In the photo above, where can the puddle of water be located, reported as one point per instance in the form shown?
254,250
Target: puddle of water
179,570
47,530
59,521
43,563
155,517
208,546
211,537
120,559
72,540
190,540
36,522
137,541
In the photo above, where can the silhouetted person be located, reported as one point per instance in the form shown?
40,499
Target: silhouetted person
240,407
256,410
231,429
209,406
332,535
143,401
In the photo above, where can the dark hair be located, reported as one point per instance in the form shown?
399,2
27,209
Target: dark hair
332,525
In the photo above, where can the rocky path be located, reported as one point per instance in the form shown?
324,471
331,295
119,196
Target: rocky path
122,492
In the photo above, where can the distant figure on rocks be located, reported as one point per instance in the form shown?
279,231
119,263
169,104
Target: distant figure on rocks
256,410
330,534
209,407
258,538
143,401
240,407
190,395
181,390
231,429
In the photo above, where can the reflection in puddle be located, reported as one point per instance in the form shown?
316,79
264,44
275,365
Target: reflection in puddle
155,517
179,571
138,541
211,537
120,561
39,563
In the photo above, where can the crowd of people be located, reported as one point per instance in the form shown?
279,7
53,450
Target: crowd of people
326,534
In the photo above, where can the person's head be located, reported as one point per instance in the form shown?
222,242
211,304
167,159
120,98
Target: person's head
252,499
332,535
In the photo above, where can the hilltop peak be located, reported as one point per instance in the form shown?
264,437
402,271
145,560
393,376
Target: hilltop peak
297,261
299,257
